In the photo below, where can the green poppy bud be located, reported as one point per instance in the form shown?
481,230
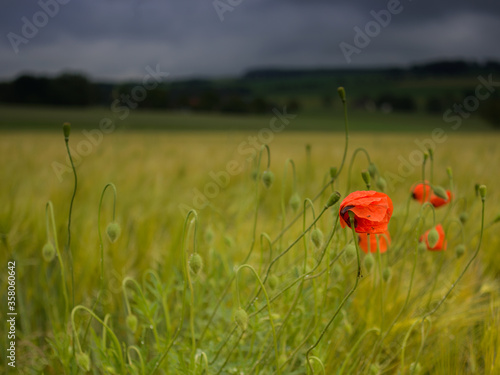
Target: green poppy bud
440,192
422,246
255,174
341,92
66,129
131,323
366,178
431,153
273,282
350,252
333,172
482,191
449,172
415,368
373,170
83,360
295,202
267,178
433,237
195,263
460,250
464,216
209,235
241,318
369,262
113,231
386,274
334,198
381,184
317,237
48,252
337,271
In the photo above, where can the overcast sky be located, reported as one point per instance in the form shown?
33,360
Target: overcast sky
117,39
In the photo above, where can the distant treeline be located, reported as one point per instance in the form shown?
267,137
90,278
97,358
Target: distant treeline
259,90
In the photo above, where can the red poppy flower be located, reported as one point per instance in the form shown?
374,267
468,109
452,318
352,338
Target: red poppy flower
384,240
440,245
372,211
418,190
438,201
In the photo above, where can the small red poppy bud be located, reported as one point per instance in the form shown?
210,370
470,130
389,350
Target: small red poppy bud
434,238
341,92
267,178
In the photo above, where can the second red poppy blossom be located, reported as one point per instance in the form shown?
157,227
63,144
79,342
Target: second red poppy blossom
372,211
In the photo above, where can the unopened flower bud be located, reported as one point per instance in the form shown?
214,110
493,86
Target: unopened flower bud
449,171
113,231
433,237
369,262
336,271
334,198
48,252
83,360
195,263
317,237
422,246
267,178
341,92
273,282
295,202
460,250
415,368
440,192
373,170
381,184
482,191
66,129
431,153
132,323
333,172
464,216
366,178
350,252
241,318
209,235
386,274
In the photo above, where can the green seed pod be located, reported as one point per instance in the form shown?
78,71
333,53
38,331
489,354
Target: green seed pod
381,184
195,263
369,262
350,252
317,237
366,177
295,202
48,252
460,250
422,246
132,323
386,274
334,198
373,170
333,172
433,237
113,230
449,172
337,271
66,129
431,153
228,240
476,188
341,92
273,282
440,192
464,216
241,318
255,174
83,360
267,178
415,368
482,191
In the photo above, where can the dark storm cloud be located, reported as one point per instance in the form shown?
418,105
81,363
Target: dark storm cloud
119,38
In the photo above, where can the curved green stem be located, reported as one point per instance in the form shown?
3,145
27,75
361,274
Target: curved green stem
141,361
359,149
